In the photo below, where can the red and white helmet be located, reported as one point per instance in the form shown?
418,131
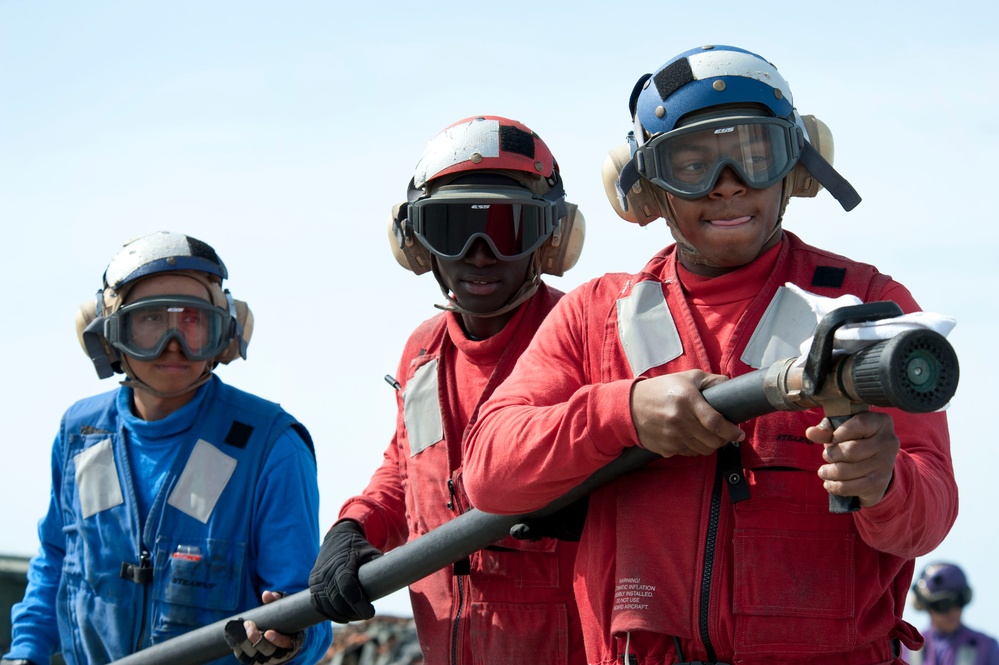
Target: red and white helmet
498,158
486,142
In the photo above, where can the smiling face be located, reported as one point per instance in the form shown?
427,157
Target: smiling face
482,283
729,227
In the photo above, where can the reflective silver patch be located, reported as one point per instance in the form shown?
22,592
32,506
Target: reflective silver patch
97,479
787,323
421,409
205,475
646,328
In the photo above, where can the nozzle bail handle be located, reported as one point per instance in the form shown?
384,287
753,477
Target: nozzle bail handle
820,354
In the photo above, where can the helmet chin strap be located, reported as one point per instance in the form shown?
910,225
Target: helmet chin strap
136,383
527,289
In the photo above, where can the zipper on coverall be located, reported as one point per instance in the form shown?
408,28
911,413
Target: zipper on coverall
459,575
709,560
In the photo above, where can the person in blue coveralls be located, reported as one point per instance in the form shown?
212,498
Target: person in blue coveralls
943,591
174,496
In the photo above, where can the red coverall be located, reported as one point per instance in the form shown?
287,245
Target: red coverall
509,603
669,551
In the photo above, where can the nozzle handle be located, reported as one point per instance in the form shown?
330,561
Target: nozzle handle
837,502
819,358
915,371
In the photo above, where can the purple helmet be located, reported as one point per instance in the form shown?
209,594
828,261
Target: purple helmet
941,587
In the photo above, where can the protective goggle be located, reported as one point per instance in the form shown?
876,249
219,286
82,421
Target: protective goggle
688,161
143,329
944,605
510,220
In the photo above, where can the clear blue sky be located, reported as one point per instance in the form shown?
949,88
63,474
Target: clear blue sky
282,133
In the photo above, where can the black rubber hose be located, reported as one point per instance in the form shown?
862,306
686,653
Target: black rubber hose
738,399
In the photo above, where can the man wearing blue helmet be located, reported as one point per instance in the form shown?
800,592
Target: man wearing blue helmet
943,591
174,496
720,552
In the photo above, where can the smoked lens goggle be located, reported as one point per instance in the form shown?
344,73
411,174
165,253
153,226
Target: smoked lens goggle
944,605
688,161
509,219
143,329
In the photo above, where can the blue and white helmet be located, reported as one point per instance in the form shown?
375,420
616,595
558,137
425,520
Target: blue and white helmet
716,77
163,251
146,256
941,582
707,77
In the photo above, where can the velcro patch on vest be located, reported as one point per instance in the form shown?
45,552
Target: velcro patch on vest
829,276
239,434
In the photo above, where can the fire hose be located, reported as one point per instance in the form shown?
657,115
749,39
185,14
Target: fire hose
915,371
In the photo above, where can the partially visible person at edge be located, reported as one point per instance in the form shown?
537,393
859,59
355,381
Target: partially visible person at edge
718,552
943,591
174,497
486,214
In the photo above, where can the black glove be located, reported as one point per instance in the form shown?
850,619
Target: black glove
335,590
564,524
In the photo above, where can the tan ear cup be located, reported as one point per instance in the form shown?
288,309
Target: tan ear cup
408,252
562,250
819,135
245,318
641,205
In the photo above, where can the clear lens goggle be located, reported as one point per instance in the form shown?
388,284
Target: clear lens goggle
143,329
509,219
688,161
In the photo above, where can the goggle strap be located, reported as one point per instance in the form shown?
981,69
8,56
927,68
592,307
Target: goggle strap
237,326
829,177
413,192
557,194
92,335
628,178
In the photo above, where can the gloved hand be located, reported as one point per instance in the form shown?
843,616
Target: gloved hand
261,651
336,591
564,524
